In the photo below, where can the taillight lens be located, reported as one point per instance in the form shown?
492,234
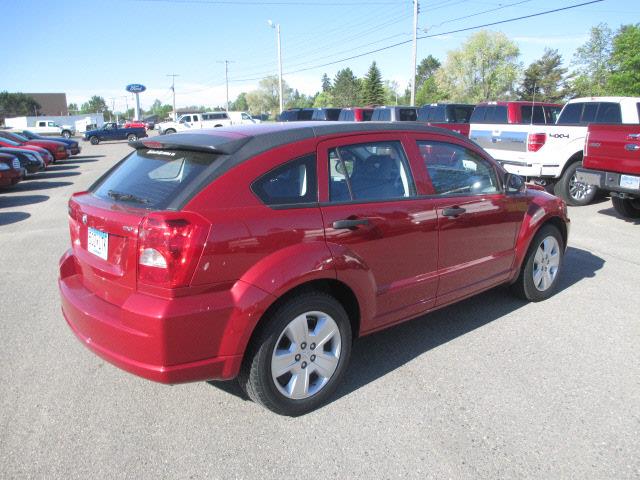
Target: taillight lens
169,248
536,141
74,220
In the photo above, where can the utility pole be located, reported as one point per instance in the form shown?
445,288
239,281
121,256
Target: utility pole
173,89
226,76
415,52
113,107
126,103
277,27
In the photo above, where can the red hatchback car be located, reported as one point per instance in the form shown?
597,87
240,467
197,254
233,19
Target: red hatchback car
261,252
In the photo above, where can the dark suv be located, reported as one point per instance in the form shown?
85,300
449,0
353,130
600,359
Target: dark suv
296,115
323,114
260,252
394,114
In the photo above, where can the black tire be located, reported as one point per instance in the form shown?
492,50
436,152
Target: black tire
626,207
94,140
66,134
255,375
524,286
132,137
169,131
572,192
217,126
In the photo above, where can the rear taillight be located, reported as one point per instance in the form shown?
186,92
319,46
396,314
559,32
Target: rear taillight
169,248
74,220
536,141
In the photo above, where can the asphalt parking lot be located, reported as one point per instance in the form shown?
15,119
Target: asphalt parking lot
489,388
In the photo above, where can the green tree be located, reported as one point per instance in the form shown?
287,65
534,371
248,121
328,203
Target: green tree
625,62
17,105
322,99
94,105
240,104
326,83
160,110
426,69
428,92
346,89
73,108
266,97
485,67
544,79
300,100
592,62
372,87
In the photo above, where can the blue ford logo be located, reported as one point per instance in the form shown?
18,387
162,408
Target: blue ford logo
135,88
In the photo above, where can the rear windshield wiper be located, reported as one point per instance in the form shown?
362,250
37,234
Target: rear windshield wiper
126,197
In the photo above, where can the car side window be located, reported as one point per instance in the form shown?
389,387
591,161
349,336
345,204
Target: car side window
195,118
369,171
456,170
609,112
294,183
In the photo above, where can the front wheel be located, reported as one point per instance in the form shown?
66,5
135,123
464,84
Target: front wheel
132,137
573,192
169,131
66,134
94,140
540,270
299,356
627,207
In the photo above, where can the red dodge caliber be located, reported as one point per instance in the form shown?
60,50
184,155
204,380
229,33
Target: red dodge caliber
261,252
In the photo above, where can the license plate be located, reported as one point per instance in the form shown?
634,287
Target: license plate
98,243
628,181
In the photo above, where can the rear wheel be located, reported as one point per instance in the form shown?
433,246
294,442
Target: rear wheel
132,137
540,270
297,359
94,140
66,134
169,131
627,207
573,192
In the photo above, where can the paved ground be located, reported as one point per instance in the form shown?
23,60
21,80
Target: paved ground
489,388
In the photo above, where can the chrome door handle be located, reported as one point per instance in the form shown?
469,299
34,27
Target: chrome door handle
632,147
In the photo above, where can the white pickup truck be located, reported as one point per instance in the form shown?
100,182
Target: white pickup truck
550,154
47,127
193,121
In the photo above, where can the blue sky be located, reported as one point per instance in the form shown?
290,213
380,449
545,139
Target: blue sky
98,46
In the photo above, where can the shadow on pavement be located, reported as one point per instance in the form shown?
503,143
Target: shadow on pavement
57,168
85,160
7,218
376,355
611,212
47,175
20,201
80,157
36,185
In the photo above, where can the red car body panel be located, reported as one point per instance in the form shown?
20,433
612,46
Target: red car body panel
613,148
254,254
46,156
13,175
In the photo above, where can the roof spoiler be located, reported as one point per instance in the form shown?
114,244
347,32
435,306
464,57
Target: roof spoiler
197,142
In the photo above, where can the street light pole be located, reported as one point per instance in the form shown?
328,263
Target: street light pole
415,52
173,89
277,27
226,76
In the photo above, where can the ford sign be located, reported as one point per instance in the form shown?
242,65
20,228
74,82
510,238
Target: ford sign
135,88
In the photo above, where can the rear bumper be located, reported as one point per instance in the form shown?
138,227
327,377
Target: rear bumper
522,168
608,181
175,340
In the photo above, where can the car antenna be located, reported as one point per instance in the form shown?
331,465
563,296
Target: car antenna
533,103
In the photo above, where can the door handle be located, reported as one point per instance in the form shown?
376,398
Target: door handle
453,211
350,224
632,147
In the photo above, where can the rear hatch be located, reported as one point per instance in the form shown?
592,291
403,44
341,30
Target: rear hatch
106,222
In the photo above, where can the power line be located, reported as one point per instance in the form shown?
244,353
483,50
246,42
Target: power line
270,3
478,13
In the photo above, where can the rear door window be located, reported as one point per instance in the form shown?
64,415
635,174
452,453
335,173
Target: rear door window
609,112
294,183
571,114
152,179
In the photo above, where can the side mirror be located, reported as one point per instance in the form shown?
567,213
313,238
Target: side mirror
513,183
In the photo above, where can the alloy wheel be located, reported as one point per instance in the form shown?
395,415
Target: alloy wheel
546,263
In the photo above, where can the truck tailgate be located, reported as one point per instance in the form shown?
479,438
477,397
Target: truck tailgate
613,148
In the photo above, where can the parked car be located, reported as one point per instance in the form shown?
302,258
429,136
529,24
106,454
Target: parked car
72,145
452,116
395,114
10,170
333,231
355,114
48,127
242,118
612,163
551,154
326,114
296,115
30,161
43,152
111,131
516,112
58,149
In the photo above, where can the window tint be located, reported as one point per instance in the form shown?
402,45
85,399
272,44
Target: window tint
317,115
346,116
367,114
423,114
478,114
186,119
551,114
570,114
589,112
497,114
245,116
538,115
407,114
293,183
195,118
153,178
437,114
609,112
384,115
305,114
460,114
455,170
369,171
332,113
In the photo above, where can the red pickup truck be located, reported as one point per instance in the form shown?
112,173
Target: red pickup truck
612,162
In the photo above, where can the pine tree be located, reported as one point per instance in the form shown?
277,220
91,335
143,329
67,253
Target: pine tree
372,88
326,83
346,89
544,79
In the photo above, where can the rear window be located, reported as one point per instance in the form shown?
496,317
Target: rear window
591,112
346,116
152,179
538,115
333,113
407,114
551,114
490,114
423,113
460,113
305,114
384,115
